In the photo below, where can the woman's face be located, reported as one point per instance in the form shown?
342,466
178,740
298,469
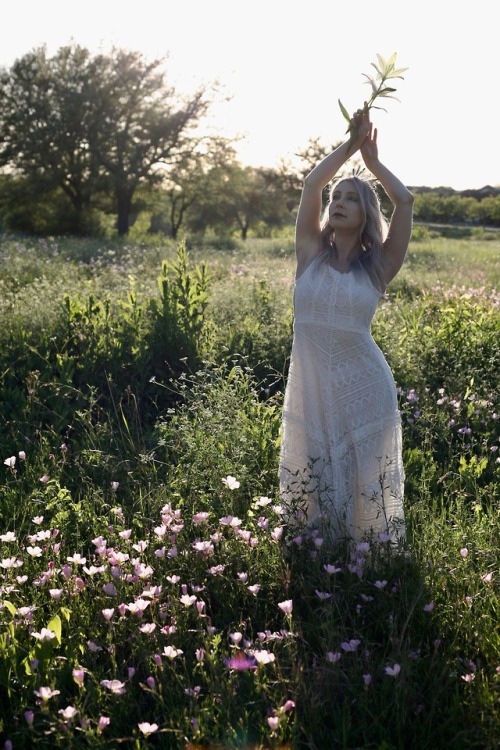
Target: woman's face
345,210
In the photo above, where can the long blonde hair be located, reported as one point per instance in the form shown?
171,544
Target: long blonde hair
372,233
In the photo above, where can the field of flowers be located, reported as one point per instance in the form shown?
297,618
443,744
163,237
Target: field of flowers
151,594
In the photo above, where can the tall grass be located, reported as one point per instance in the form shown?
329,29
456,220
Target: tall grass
151,594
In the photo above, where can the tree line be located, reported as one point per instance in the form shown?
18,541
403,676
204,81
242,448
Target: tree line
90,142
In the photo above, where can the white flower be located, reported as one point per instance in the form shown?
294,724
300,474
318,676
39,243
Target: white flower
231,482
44,635
114,686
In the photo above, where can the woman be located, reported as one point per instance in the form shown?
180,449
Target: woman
340,464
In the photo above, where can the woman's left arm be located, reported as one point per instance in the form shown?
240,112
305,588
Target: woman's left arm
398,237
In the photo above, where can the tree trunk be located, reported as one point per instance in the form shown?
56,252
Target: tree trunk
124,201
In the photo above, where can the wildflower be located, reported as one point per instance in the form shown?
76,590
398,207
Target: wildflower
204,548
263,501
264,656
147,628
68,713
114,686
44,635
187,600
138,607
56,593
29,717
114,486
22,455
8,537
487,577
464,552
332,569
108,614
351,645
254,588
273,722
236,637
322,594
333,657
171,652
277,533
231,483
46,693
102,723
233,521
393,671
241,662
109,589
380,584
147,728
428,607
288,706
34,551
469,677
10,562
10,462
79,676
367,678
77,559
44,479
37,520
286,606
125,534
200,517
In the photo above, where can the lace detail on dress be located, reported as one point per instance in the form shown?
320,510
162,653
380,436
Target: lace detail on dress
341,445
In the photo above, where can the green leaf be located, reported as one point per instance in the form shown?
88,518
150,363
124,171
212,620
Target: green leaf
66,613
56,626
344,112
8,605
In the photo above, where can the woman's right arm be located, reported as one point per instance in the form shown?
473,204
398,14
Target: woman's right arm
307,227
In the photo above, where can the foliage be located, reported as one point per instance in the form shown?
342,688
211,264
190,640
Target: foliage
87,124
150,592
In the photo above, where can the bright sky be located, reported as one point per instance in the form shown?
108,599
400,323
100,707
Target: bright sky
286,62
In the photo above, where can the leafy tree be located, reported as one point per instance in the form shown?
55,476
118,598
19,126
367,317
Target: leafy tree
139,123
87,124
192,187
252,196
44,123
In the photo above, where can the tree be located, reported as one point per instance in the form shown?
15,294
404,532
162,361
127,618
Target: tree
86,124
139,123
193,185
252,196
44,124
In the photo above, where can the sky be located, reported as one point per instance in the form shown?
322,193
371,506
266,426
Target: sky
283,65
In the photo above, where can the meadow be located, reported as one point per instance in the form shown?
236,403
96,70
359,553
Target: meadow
151,594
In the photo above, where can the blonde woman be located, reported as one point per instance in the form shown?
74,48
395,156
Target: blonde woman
341,464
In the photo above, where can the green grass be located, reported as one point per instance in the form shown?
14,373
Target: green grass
127,407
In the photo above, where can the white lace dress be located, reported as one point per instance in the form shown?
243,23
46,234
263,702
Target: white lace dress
340,459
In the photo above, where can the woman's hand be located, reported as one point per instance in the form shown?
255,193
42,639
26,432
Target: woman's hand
359,128
369,148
